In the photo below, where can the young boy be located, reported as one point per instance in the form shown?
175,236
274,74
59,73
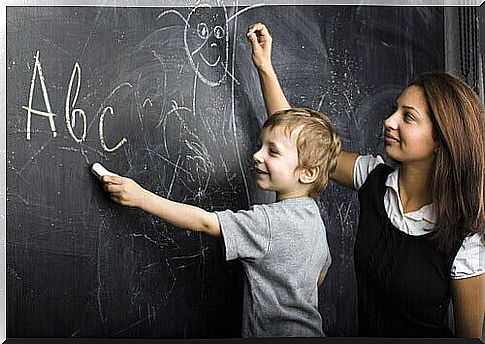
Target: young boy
282,246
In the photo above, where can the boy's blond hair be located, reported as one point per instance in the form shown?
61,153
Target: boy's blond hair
317,142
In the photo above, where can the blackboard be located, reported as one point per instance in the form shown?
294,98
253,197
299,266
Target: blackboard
135,89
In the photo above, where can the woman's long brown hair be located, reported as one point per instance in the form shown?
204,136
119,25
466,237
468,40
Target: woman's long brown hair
458,177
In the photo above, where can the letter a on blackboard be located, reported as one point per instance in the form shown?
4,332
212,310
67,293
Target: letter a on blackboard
30,111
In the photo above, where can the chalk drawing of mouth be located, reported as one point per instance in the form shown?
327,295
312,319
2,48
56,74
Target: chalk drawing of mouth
208,63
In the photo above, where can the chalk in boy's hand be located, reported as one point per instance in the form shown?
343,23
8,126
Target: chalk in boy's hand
100,171
124,191
261,40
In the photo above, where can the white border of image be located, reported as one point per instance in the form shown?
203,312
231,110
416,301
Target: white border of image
136,3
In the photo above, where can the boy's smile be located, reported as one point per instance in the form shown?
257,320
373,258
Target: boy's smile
258,171
276,164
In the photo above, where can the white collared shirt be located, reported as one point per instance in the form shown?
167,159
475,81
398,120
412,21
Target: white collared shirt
470,259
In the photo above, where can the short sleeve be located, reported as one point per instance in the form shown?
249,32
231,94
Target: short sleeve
470,259
246,233
363,167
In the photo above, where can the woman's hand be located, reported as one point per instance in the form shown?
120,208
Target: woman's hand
124,191
261,41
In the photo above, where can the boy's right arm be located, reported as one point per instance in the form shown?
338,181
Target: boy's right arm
261,41
126,191
275,99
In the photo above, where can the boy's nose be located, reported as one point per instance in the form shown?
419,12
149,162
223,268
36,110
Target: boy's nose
257,157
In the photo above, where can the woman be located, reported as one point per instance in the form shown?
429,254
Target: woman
421,225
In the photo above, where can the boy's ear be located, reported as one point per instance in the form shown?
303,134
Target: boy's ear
309,175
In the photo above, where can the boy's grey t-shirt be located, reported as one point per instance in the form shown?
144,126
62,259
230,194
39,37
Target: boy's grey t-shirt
283,248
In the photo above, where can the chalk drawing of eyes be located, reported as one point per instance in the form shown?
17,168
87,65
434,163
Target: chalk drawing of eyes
218,32
202,30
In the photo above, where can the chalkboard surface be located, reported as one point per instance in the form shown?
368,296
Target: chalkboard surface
169,97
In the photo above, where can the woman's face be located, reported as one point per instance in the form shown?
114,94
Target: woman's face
408,135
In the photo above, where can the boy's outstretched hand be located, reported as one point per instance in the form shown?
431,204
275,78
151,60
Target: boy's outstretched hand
261,41
124,191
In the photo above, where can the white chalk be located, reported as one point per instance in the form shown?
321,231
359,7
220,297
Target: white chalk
100,171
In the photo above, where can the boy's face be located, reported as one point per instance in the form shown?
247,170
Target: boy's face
276,164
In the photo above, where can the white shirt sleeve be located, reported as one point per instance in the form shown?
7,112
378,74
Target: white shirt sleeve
363,166
470,259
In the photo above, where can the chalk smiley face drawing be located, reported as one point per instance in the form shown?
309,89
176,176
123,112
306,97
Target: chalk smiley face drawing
206,40
207,44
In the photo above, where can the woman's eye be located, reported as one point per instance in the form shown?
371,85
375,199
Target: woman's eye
408,117
202,30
